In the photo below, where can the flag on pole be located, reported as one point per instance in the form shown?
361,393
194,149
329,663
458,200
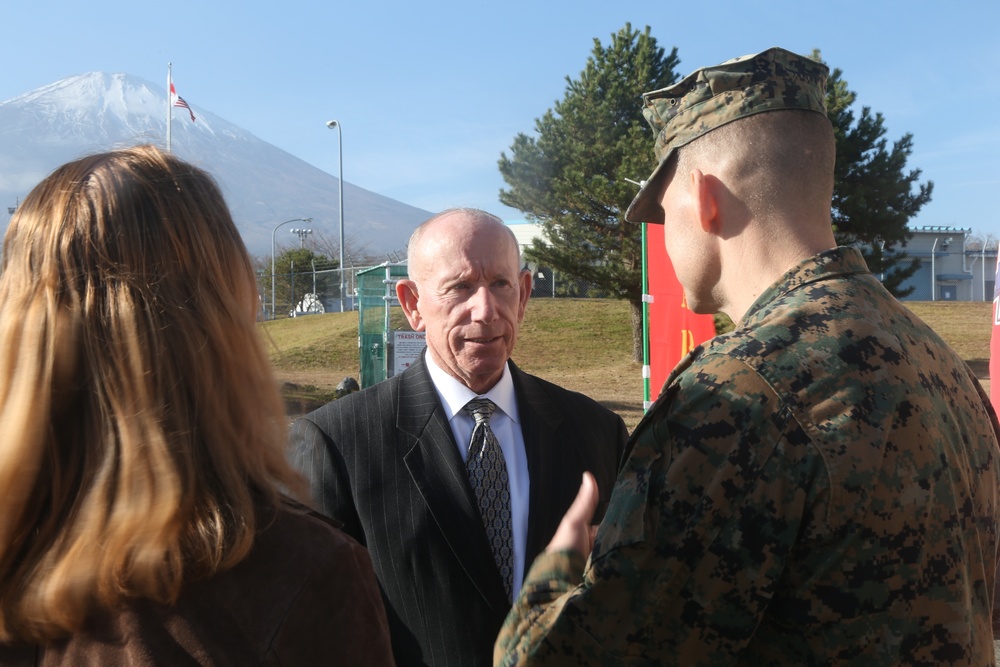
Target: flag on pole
178,101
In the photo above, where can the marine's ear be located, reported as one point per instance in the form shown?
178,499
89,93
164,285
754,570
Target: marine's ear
704,196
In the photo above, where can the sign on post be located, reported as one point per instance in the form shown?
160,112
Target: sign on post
407,346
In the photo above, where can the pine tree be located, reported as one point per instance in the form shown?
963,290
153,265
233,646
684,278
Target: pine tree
574,176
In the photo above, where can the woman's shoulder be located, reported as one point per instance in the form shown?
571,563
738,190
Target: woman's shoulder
295,528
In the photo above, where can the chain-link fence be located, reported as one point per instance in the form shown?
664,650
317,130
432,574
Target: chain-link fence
386,343
380,317
307,292
546,283
318,291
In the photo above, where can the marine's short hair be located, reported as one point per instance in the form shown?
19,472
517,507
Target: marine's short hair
708,98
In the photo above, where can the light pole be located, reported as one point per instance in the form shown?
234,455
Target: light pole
291,271
340,149
982,254
302,234
306,220
933,278
944,247
881,260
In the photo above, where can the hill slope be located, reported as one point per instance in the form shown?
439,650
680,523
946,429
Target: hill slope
582,344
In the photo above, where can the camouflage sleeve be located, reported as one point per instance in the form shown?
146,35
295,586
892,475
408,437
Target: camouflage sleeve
550,577
703,515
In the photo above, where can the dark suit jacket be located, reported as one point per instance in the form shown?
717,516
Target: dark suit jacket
384,462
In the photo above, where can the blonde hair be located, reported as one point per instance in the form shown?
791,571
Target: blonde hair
141,428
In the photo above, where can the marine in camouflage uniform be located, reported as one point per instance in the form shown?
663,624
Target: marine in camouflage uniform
817,487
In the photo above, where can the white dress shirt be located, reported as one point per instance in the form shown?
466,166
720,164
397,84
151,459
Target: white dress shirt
506,426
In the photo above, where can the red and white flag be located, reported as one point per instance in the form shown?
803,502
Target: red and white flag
178,101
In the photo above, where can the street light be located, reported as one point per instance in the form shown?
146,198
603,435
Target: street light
944,248
933,269
340,149
306,220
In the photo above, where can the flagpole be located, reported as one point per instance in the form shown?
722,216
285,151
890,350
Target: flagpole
646,369
170,116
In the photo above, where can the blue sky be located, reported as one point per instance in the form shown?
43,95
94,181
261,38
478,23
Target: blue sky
430,94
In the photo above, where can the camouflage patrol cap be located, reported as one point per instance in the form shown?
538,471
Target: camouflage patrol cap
710,97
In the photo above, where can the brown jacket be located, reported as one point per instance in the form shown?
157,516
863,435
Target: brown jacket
306,595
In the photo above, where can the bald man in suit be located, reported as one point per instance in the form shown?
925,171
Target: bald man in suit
398,463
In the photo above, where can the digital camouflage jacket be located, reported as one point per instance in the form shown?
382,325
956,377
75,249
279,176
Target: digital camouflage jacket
817,487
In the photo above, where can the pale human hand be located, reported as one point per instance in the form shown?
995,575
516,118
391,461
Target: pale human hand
575,531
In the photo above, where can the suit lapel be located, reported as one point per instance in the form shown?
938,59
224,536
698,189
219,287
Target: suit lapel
437,471
548,461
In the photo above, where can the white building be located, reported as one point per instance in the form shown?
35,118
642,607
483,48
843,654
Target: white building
948,271
543,278
525,232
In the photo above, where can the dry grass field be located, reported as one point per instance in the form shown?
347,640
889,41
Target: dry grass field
582,344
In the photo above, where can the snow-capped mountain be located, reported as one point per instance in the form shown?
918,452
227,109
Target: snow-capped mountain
263,184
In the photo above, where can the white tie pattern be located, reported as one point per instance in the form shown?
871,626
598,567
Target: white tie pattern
488,476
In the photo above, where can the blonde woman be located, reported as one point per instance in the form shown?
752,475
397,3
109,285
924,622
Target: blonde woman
142,442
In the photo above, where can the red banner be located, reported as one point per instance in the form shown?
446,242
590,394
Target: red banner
674,330
995,343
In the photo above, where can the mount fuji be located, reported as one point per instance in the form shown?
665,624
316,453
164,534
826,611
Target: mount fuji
263,184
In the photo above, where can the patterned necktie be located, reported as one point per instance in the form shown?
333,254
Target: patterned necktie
488,475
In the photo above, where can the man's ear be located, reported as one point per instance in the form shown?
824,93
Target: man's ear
705,200
409,299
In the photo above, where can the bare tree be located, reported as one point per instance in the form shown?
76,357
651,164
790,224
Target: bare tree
981,241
